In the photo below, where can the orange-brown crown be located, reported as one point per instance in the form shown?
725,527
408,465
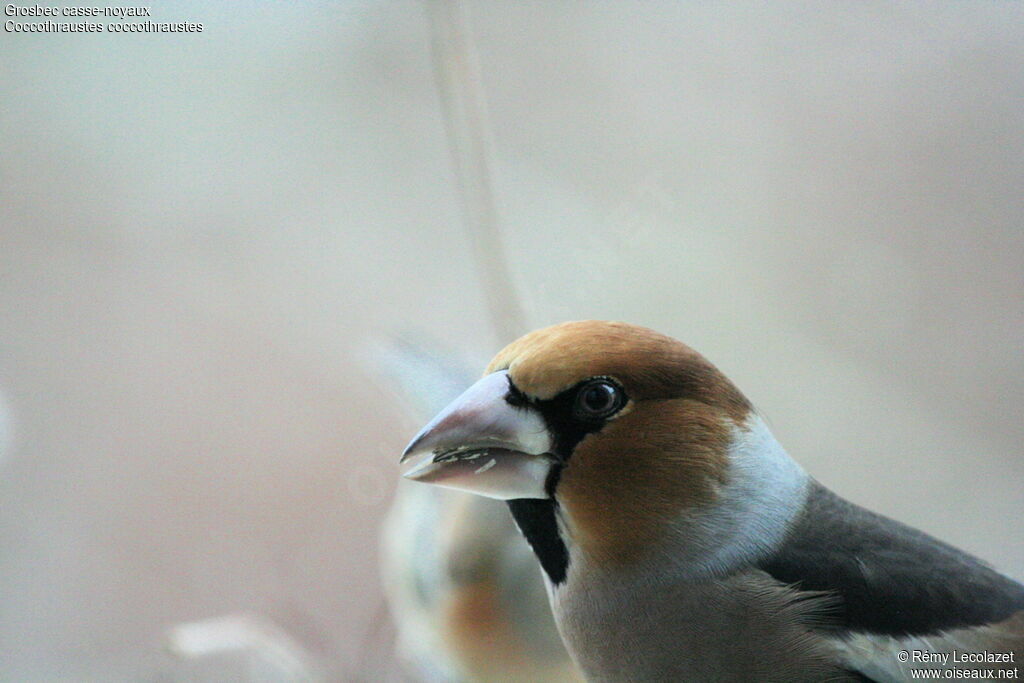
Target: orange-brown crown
648,364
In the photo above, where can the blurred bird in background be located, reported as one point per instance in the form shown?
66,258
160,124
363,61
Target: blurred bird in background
464,591
463,587
678,539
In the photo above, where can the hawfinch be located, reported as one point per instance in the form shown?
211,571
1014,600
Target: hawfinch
678,539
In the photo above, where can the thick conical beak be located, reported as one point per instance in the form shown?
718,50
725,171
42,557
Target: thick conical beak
482,444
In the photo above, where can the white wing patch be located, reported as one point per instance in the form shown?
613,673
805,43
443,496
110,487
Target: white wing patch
879,657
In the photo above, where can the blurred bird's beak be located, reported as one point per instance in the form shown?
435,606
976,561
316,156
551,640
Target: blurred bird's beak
482,444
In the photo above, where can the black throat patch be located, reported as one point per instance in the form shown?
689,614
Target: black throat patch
537,518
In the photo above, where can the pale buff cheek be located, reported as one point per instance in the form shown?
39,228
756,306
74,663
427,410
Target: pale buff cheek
603,525
623,486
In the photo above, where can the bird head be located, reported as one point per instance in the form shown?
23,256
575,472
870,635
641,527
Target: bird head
625,429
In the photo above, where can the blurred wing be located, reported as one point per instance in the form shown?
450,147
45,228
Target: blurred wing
425,380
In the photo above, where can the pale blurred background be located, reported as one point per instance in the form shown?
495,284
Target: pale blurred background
200,234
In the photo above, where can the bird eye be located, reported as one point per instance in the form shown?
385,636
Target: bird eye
598,399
